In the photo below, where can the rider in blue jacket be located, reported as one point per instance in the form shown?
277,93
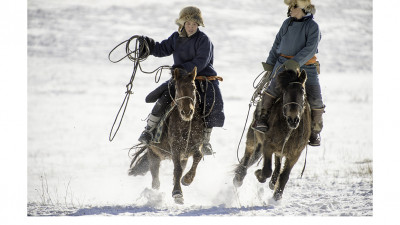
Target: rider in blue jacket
294,48
190,48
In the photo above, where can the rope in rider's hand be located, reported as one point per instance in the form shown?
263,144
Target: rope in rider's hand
255,98
139,54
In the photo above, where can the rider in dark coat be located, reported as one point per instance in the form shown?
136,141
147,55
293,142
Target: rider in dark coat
190,48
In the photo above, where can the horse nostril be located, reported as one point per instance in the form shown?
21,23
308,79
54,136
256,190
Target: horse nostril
293,121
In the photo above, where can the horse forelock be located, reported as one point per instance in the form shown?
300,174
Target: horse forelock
285,78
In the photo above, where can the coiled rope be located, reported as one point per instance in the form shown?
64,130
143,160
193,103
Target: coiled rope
140,46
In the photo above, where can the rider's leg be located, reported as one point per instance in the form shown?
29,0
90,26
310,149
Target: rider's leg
316,126
314,97
154,118
207,149
264,107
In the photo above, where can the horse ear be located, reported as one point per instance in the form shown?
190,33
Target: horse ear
303,76
194,72
176,73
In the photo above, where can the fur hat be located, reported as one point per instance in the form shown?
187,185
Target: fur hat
190,13
303,4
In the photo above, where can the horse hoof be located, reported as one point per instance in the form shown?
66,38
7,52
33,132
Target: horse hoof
177,194
179,201
271,185
237,182
277,196
186,181
260,177
178,197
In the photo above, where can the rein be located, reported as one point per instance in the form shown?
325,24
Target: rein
175,100
294,103
134,57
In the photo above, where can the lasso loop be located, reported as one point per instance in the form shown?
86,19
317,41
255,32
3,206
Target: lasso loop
141,46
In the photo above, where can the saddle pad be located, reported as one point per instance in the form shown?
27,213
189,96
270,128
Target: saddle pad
160,126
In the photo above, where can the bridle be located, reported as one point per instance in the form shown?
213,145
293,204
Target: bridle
295,103
175,100
292,103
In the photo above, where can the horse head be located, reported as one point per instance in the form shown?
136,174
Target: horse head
292,85
185,92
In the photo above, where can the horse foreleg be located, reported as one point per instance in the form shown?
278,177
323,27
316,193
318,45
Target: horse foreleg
283,178
188,178
276,172
183,163
177,190
154,162
266,171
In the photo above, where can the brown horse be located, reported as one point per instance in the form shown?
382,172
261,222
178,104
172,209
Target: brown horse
287,136
182,137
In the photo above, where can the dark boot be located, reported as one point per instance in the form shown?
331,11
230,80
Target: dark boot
147,134
207,149
316,126
261,122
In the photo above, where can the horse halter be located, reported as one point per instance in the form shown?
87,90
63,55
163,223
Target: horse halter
175,100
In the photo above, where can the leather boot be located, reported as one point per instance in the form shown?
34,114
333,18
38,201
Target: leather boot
207,149
261,122
316,126
147,134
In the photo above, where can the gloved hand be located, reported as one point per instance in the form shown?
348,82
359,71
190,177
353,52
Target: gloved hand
143,50
290,64
267,67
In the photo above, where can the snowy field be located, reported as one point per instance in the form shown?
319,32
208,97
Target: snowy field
74,93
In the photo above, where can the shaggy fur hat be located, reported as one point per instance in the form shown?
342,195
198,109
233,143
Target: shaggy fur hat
303,4
190,13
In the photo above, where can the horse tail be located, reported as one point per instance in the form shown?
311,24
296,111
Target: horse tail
140,162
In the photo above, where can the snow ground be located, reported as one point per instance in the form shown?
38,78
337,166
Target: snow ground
74,93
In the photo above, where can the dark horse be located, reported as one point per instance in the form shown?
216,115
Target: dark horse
182,137
287,136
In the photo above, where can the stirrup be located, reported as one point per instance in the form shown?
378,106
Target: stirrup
146,137
259,126
314,140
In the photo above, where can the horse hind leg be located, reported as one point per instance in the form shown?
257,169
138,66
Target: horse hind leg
189,176
276,172
154,162
251,155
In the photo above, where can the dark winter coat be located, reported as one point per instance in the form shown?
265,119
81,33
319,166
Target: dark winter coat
188,52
